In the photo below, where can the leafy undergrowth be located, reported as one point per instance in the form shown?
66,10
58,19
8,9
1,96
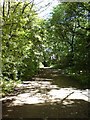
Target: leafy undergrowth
7,87
82,77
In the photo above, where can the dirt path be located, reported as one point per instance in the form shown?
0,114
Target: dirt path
50,94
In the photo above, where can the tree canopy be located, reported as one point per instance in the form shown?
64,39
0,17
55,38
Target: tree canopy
62,41
69,27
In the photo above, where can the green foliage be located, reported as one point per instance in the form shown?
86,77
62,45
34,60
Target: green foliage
8,86
69,32
20,40
61,41
30,67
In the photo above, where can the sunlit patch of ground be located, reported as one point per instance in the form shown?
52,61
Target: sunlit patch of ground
47,95
45,92
53,95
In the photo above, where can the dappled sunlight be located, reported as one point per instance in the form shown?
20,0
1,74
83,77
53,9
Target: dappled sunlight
63,92
47,96
37,84
43,92
46,90
46,62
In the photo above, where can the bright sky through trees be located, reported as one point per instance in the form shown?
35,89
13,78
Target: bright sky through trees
45,7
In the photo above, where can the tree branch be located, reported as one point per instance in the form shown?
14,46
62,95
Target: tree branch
66,97
3,9
8,8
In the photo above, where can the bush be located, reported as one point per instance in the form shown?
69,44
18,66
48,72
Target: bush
8,86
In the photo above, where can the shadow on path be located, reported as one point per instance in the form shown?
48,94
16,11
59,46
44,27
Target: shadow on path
50,94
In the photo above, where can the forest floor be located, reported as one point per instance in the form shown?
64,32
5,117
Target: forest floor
49,95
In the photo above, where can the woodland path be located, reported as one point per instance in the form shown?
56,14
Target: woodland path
49,95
